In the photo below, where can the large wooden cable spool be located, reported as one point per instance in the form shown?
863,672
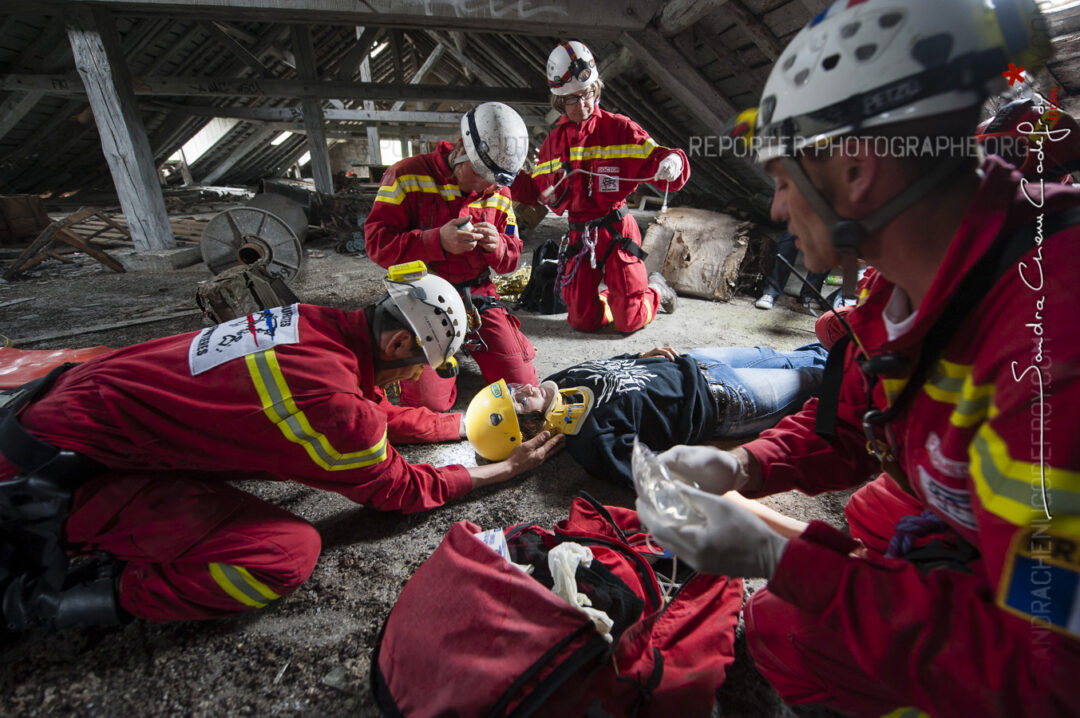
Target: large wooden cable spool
268,230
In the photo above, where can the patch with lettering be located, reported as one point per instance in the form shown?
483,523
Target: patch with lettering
953,503
242,336
1041,580
609,178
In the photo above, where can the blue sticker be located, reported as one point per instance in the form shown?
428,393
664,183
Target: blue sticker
1041,581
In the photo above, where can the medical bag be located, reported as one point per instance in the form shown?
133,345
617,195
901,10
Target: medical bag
473,634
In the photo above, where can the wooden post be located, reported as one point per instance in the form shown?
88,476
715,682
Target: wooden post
313,118
374,148
123,138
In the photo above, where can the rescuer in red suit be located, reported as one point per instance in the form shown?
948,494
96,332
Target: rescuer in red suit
589,164
451,209
142,441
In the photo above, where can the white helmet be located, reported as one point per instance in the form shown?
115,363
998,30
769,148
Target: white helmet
431,307
862,65
496,141
571,68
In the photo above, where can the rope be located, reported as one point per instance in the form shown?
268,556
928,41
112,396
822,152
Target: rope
617,178
910,528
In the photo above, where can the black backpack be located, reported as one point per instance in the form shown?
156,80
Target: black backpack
541,293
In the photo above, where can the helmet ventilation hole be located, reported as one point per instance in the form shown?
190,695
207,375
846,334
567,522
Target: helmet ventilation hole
850,29
788,63
891,19
865,52
802,76
934,50
830,62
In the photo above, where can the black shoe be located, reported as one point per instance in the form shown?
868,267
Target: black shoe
668,297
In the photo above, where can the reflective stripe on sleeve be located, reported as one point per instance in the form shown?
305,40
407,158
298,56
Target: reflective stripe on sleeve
395,193
1014,489
281,409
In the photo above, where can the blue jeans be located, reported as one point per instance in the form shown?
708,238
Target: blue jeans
760,385
778,276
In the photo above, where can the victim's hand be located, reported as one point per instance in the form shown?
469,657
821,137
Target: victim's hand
667,352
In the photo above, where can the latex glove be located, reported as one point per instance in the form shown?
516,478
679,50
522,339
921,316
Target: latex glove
731,541
712,469
670,168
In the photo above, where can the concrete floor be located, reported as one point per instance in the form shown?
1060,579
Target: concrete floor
310,653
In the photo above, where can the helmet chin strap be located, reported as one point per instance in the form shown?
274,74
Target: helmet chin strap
848,234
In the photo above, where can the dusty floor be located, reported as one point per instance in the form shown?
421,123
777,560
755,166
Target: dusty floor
310,653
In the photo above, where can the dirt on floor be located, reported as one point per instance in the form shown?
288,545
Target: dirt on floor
310,653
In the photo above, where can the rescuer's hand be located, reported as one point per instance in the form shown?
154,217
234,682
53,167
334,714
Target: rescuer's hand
534,452
455,240
528,456
712,469
721,538
670,168
490,238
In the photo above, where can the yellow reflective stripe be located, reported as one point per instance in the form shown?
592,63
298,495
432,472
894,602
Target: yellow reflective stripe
906,712
1013,489
649,313
546,168
974,404
498,201
951,383
241,585
608,316
279,407
611,152
893,387
403,185
946,381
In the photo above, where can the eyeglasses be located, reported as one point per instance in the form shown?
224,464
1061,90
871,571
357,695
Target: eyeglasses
589,95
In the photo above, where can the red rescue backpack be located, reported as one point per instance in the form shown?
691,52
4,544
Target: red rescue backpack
473,635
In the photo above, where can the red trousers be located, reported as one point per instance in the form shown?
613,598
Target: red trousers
804,661
507,354
629,302
195,547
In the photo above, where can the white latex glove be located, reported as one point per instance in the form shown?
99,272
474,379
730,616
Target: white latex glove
670,168
712,469
731,542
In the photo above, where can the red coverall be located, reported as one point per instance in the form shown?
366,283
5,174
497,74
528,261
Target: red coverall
617,148
868,635
418,196
196,547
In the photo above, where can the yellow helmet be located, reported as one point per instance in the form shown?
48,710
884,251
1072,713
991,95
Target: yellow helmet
491,424
494,427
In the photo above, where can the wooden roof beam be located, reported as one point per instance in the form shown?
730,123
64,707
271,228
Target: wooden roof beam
272,87
597,18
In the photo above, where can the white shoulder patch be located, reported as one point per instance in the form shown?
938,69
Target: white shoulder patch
242,336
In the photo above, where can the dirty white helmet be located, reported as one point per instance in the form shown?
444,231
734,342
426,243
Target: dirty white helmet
871,64
496,141
431,307
571,68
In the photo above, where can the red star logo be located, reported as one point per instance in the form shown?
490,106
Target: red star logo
1014,74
